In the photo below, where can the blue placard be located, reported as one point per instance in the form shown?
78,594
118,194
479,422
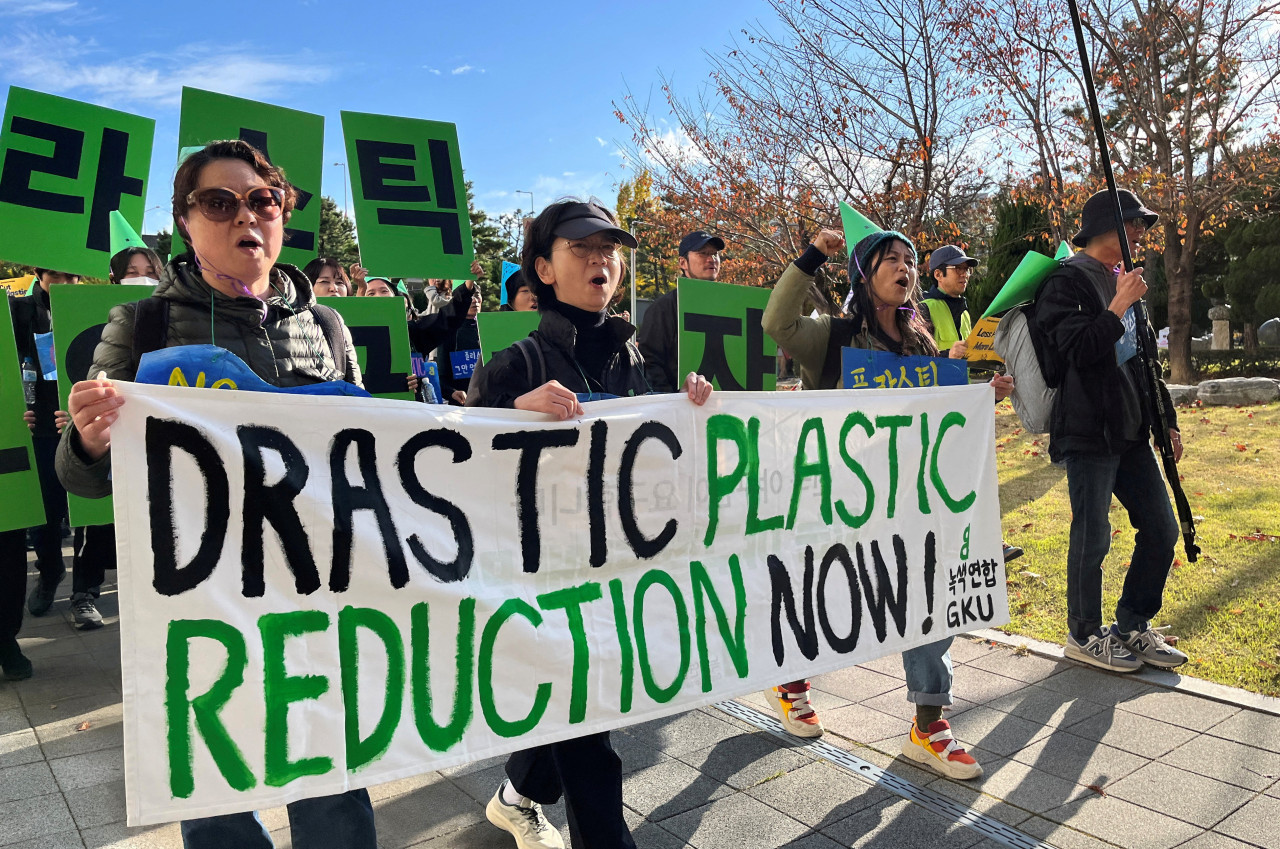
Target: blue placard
211,367
463,363
865,369
508,268
1127,345
48,361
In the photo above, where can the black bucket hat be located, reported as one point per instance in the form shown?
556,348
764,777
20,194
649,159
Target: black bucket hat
1098,215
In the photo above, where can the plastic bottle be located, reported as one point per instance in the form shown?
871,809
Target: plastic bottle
29,377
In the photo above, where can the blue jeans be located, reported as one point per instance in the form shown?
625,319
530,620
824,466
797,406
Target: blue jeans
344,821
1135,479
928,669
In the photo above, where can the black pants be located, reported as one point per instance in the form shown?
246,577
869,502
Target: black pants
13,582
588,773
95,553
48,537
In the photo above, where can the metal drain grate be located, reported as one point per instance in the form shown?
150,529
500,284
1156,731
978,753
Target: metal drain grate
872,774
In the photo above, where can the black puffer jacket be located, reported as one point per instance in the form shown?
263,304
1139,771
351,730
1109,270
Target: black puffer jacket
499,382
1089,414
279,339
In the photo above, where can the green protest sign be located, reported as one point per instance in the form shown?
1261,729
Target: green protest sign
288,138
79,314
1021,286
501,330
721,337
409,197
20,503
64,167
381,337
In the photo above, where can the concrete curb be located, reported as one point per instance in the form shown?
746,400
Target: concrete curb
1165,678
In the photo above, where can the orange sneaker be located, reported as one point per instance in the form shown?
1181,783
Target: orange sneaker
791,703
941,751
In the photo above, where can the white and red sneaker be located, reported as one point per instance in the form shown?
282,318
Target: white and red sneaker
791,703
941,751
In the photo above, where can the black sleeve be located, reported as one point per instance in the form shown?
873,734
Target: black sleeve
658,340
1086,338
427,332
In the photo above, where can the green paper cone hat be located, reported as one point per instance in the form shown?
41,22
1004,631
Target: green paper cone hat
1022,284
122,235
856,225
1064,251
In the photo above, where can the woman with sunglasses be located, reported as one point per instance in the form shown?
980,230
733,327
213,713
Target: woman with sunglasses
881,316
231,206
572,259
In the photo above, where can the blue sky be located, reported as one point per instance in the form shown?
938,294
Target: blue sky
529,84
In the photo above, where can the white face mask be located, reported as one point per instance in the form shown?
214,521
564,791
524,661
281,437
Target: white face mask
140,281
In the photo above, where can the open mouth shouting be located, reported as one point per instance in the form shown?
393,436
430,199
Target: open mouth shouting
600,280
251,244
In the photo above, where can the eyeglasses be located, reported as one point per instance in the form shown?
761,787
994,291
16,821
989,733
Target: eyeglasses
265,202
586,250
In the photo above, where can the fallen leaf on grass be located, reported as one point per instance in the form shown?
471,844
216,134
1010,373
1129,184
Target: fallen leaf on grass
84,726
1240,446
1027,525
1212,608
1236,611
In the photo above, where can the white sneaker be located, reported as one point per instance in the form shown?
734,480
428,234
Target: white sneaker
1104,650
1151,647
791,703
527,825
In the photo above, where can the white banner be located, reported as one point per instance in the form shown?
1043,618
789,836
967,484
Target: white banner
321,593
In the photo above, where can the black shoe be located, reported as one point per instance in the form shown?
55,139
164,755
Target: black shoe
1011,552
41,598
14,662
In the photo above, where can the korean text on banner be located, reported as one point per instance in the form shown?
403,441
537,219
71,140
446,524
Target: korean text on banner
863,368
288,138
64,167
20,503
409,196
721,337
451,585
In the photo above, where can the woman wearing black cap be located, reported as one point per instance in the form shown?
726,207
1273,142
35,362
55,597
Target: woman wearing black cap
577,353
881,316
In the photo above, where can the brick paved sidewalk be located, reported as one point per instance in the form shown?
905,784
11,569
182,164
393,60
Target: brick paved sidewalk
1190,765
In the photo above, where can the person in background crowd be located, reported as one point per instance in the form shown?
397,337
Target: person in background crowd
882,316
659,336
231,206
1100,429
455,354
520,297
328,278
136,266
571,256
946,313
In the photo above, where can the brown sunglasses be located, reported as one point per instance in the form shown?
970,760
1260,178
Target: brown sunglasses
265,202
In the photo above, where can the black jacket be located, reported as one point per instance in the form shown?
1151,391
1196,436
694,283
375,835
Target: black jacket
31,316
1089,414
659,341
499,382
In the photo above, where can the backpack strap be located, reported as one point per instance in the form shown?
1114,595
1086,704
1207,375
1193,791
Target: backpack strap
531,351
842,333
331,323
150,328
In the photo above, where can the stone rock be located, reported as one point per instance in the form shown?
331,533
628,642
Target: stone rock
1182,394
1201,343
1230,391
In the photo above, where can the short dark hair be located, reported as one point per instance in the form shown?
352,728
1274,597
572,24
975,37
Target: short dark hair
320,263
188,176
120,262
540,236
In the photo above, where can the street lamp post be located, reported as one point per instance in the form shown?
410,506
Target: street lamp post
345,179
635,222
530,194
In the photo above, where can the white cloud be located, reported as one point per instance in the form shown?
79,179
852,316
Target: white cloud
66,64
601,142
35,7
435,71
461,69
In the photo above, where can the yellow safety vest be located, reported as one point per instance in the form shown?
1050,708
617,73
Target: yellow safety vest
944,327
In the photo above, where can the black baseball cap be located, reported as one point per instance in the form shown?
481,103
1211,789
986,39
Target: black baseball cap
1098,215
579,220
949,255
697,239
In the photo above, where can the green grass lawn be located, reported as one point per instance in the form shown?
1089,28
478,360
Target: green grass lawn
1225,608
